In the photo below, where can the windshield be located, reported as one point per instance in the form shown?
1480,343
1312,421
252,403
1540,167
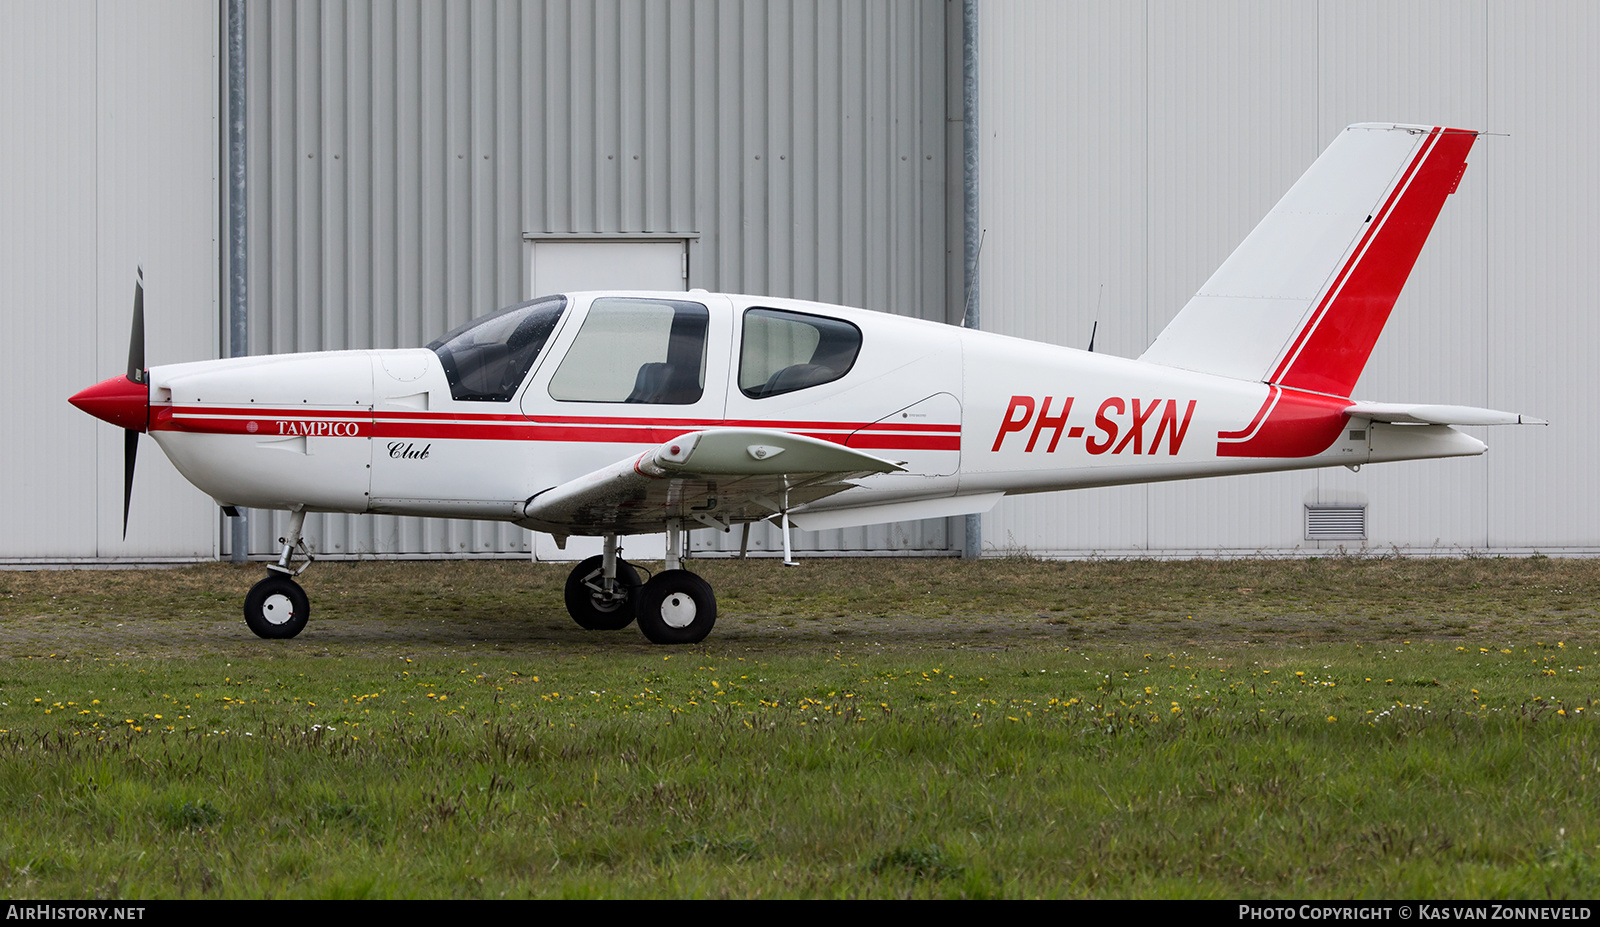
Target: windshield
487,359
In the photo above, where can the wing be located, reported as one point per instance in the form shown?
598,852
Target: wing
719,477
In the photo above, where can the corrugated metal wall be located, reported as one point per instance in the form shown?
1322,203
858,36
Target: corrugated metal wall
1128,147
398,152
109,163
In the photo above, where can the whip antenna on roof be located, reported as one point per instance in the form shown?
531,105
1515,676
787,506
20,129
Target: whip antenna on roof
1096,326
966,307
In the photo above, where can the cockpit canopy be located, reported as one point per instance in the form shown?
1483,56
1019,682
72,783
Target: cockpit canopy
487,359
642,350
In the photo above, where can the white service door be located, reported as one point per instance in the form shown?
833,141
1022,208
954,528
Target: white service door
571,266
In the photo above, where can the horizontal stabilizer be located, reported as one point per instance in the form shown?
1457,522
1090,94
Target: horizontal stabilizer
1400,413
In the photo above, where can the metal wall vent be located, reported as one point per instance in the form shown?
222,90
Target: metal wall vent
1336,522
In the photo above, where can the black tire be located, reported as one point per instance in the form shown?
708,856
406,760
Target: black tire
590,607
277,608
677,607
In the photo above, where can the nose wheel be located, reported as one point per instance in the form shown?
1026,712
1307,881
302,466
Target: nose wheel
277,608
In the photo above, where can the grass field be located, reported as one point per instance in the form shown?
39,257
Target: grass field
1335,727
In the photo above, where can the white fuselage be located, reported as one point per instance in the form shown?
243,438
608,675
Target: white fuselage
963,412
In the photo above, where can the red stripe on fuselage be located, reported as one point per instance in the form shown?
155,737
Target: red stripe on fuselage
1261,415
901,442
1288,424
473,426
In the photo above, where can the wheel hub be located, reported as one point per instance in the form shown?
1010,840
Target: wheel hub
678,610
277,609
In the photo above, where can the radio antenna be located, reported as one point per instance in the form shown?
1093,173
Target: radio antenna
1096,327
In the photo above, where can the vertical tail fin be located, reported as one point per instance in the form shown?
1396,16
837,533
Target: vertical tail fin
1302,301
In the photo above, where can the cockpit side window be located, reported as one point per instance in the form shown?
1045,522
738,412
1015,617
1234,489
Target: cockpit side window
650,351
486,359
787,351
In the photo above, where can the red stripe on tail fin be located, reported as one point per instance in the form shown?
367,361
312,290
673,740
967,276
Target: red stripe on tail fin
1331,350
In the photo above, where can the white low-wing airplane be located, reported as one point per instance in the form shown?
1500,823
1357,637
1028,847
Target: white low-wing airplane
625,413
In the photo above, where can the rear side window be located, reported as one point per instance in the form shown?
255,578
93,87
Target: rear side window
787,351
487,359
650,351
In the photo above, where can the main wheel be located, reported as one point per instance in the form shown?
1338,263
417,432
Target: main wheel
677,607
277,607
588,602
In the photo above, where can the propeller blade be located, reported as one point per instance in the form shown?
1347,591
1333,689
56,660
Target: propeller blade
130,438
130,452
136,339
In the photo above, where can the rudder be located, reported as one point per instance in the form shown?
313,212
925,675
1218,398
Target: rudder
1302,301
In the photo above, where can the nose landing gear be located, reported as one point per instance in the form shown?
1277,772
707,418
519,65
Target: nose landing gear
277,608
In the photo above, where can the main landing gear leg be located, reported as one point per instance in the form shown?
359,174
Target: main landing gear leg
601,591
676,606
277,607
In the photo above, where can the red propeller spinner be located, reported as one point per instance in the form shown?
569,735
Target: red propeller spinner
119,400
